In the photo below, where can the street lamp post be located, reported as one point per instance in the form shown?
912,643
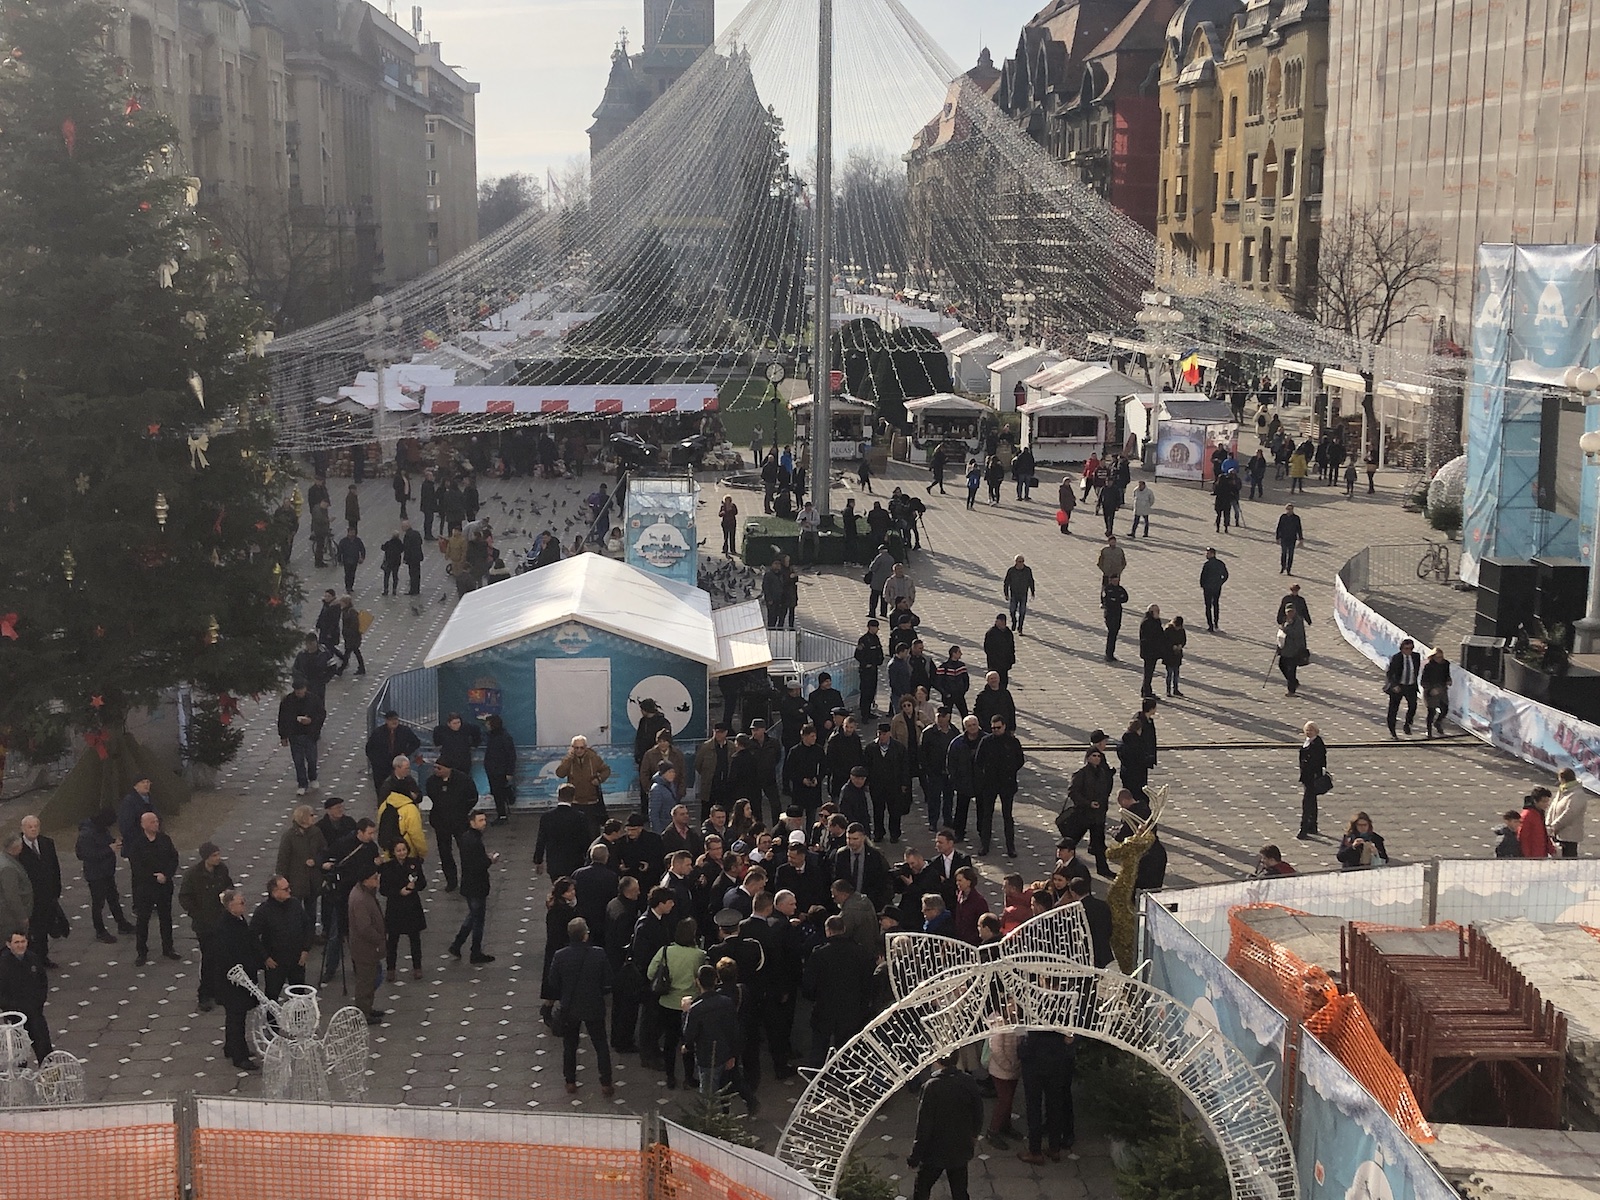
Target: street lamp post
1586,630
1020,302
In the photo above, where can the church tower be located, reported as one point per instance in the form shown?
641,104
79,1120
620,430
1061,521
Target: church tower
676,33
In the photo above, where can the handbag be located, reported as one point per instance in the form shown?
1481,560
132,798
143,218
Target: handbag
59,925
661,981
1323,785
557,1020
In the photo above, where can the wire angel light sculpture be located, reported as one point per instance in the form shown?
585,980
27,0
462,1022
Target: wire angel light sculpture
298,1062
57,1081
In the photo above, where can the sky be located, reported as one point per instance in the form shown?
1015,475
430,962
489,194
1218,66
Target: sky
543,64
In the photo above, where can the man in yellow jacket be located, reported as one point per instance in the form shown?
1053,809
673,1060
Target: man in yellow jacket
586,771
399,817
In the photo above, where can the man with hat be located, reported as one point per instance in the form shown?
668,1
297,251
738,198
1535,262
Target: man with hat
869,657
792,713
335,826
889,782
855,802
823,704
804,767
748,955
387,742
764,753
200,897
651,723
713,776
663,753
640,852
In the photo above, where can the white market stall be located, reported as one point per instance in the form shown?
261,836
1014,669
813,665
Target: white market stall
970,361
1009,370
1188,427
953,420
853,422
1073,410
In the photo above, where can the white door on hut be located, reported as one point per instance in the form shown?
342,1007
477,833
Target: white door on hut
572,696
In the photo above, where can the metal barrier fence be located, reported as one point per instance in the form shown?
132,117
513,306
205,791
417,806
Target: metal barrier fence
413,694
1396,565
812,653
92,1152
692,1166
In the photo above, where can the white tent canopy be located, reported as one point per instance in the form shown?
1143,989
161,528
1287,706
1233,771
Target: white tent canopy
578,400
945,402
742,643
401,385
1093,387
844,401
591,588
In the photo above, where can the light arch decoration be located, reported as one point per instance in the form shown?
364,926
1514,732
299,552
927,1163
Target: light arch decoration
1039,977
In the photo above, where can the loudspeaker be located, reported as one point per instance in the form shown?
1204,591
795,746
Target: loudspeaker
1563,590
1483,657
1507,591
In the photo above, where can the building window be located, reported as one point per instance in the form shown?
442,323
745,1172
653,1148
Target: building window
1233,115
1266,256
1256,94
1252,167
1211,259
433,256
430,125
432,152
1294,77
1285,264
1319,85
141,49
1166,129
166,62
227,90
1183,125
433,204
433,231
1247,260
1163,213
1215,194
1233,193
1180,197
1227,259
1314,173
1067,427
1286,179
433,178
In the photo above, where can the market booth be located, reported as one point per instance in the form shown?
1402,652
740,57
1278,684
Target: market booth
1009,370
852,419
953,420
1188,427
572,648
1072,410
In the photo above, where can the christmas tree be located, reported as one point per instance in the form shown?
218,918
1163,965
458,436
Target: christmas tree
142,515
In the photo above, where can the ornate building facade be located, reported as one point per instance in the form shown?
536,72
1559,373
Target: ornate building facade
1244,104
1082,85
676,33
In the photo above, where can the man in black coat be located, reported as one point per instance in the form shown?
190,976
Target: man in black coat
454,796
764,752
889,782
864,865
235,945
596,886
411,551
838,982
994,700
949,1120
916,878
999,758
1098,913
1000,649
580,975
428,501
869,658
804,768
961,765
651,722
1213,574
652,931
456,740
842,753
475,864
822,704
803,874
564,836
622,914
300,720
283,928
1289,534
154,863
386,743
24,988
639,853
38,859
1153,865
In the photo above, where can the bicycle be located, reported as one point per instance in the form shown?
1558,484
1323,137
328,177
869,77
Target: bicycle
1435,562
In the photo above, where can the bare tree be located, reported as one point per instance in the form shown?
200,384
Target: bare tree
288,257
502,199
1372,264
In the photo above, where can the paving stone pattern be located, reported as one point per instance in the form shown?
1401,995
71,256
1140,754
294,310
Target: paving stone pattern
468,1035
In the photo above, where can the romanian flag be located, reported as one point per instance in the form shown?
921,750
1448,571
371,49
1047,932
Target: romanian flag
1189,367
430,340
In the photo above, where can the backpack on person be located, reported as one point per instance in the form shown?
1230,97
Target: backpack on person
388,827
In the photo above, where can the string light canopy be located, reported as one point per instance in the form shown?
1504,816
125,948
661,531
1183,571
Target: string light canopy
681,278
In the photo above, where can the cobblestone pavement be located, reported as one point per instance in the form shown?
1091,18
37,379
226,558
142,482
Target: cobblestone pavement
468,1035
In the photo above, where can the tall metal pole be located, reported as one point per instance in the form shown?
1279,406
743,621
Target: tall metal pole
821,368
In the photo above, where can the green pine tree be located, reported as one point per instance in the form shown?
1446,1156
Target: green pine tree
142,518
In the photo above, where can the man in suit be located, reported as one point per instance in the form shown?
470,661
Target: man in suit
596,887
888,781
454,797
38,859
863,864
154,862
916,878
580,973
1289,534
1098,913
838,982
411,552
949,1120
564,836
387,742
947,860
1400,681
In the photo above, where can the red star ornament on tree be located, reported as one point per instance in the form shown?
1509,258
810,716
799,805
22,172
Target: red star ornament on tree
97,702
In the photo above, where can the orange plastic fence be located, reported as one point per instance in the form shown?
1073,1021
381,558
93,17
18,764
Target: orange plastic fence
236,1164
134,1162
1307,995
679,1177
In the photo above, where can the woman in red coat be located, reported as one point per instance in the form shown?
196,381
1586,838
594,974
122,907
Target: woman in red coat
1532,834
969,905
